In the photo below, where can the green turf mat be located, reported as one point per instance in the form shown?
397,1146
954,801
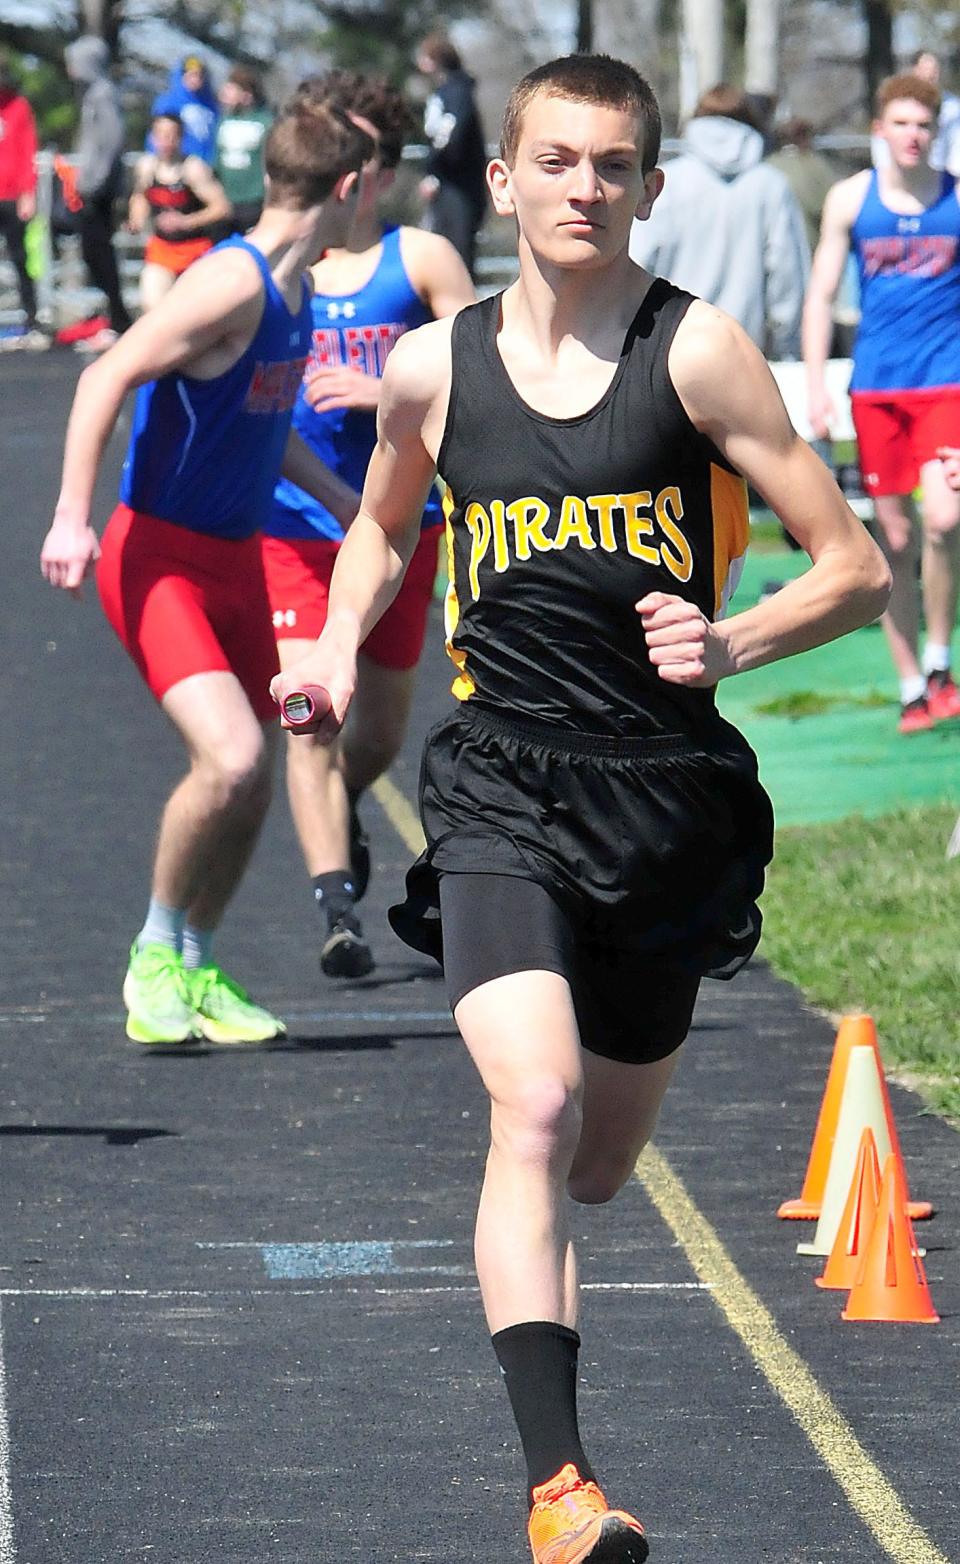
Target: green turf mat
824,724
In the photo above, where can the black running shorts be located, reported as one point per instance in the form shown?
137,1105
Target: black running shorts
652,850
628,1007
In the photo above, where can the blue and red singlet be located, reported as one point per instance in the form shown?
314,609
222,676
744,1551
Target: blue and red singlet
909,270
356,330
206,454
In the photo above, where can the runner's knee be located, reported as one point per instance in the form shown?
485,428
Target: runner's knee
238,773
538,1121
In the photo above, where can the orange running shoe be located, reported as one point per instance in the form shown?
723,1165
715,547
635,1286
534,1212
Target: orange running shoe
571,1523
915,716
943,697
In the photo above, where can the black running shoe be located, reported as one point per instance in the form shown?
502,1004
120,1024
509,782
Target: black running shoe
359,854
345,953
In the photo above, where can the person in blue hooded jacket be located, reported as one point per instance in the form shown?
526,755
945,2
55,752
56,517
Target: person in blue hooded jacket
190,95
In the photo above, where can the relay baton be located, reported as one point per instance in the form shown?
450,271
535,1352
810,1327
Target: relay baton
302,708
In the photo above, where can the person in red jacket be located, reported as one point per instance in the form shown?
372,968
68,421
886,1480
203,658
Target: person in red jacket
18,195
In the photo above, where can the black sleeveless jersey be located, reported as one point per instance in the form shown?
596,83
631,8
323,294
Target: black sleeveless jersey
174,195
557,526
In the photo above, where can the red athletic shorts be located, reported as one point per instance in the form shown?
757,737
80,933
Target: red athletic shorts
897,431
184,602
298,572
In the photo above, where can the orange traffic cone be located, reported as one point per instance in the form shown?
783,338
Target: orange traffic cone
853,1032
891,1283
856,1224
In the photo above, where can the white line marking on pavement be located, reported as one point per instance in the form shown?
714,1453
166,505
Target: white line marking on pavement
81,1294
7,1551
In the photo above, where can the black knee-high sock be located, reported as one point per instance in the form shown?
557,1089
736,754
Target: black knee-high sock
539,1363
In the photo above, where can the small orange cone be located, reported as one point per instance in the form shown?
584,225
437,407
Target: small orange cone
891,1283
853,1032
856,1224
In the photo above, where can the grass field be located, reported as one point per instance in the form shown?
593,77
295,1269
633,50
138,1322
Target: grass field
862,909
864,915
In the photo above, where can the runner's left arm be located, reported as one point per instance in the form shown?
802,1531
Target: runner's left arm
730,395
304,468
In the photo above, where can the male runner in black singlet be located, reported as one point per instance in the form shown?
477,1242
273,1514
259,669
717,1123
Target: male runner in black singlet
596,834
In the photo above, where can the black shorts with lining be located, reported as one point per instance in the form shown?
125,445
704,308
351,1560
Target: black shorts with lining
628,1007
651,852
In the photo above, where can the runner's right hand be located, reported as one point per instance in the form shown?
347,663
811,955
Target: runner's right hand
331,665
69,552
821,412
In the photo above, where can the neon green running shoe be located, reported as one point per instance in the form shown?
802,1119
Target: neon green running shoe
224,1011
158,1000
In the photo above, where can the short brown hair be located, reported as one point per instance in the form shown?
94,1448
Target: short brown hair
244,77
585,78
310,146
726,102
373,97
438,48
906,86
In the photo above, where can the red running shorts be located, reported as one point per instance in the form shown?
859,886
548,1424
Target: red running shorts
898,431
298,572
184,602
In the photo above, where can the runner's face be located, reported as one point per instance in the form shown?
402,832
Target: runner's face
576,183
166,138
907,128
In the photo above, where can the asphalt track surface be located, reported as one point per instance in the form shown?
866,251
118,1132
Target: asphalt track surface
238,1318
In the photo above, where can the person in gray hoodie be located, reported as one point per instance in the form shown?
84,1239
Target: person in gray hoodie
727,227
99,173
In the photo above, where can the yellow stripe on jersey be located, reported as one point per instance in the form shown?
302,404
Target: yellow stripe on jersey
730,510
463,685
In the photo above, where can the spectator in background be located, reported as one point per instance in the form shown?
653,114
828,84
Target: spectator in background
454,186
807,172
190,96
238,159
945,151
99,177
181,199
902,223
727,227
18,197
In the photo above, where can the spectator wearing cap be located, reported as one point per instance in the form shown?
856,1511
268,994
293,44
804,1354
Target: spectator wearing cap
191,97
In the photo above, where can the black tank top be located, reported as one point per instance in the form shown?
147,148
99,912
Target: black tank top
557,526
173,196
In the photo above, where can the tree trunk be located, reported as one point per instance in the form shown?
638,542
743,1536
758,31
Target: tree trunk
879,62
701,50
762,48
585,26
102,17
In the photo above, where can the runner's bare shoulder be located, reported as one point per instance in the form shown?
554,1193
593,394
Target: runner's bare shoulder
845,199
418,369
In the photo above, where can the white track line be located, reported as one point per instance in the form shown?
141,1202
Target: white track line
85,1294
7,1551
